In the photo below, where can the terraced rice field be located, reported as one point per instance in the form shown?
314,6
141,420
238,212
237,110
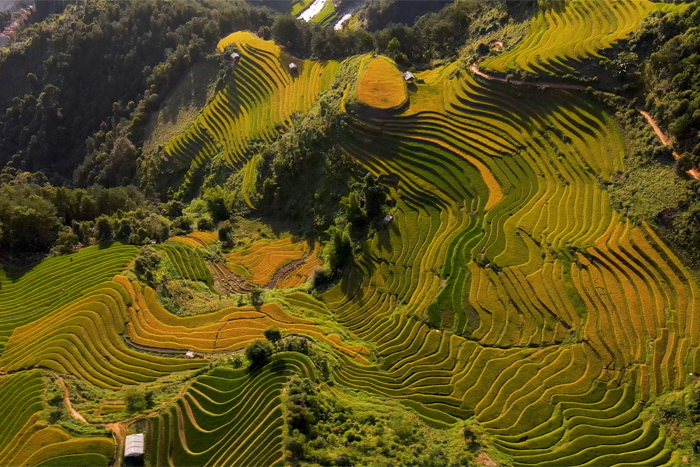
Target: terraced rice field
197,239
566,32
227,417
229,329
549,313
26,440
28,295
506,290
283,263
256,104
187,261
381,85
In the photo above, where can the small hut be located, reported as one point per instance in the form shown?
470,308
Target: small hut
388,219
293,68
409,77
235,57
133,445
189,354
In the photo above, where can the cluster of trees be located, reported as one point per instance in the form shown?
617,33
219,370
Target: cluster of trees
32,211
35,215
666,51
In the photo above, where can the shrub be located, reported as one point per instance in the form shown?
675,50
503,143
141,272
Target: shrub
258,353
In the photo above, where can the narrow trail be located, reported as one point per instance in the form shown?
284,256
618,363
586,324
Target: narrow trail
119,432
118,429
66,400
474,68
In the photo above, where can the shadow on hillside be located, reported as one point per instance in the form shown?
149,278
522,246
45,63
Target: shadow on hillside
16,267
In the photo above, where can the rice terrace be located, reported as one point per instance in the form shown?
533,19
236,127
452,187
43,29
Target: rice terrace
350,233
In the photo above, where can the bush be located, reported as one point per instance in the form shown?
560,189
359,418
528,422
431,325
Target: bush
138,400
258,353
67,241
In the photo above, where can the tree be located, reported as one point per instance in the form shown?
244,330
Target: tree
205,224
66,242
256,296
30,221
273,335
105,233
338,249
137,399
258,353
225,232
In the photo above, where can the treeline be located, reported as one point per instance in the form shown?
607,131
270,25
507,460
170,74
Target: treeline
432,36
36,216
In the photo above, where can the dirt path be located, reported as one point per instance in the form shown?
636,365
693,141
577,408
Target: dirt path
66,400
474,68
119,432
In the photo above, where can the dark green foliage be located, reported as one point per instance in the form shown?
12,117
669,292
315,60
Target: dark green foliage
667,51
273,335
302,409
258,353
329,430
66,242
218,201
146,264
105,232
205,224
225,233
29,222
137,399
256,298
338,249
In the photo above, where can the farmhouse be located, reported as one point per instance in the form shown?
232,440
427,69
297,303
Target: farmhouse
409,77
235,57
293,67
133,445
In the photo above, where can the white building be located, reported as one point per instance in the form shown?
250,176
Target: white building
133,446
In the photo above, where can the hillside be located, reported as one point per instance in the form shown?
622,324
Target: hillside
325,247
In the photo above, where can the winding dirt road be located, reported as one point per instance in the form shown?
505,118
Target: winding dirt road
66,400
474,68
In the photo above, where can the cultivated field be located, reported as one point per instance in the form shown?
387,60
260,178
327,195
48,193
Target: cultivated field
506,290
566,32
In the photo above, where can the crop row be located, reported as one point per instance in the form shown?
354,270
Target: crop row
508,274
28,295
151,325
196,239
256,103
259,262
26,440
566,32
188,262
84,338
227,417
